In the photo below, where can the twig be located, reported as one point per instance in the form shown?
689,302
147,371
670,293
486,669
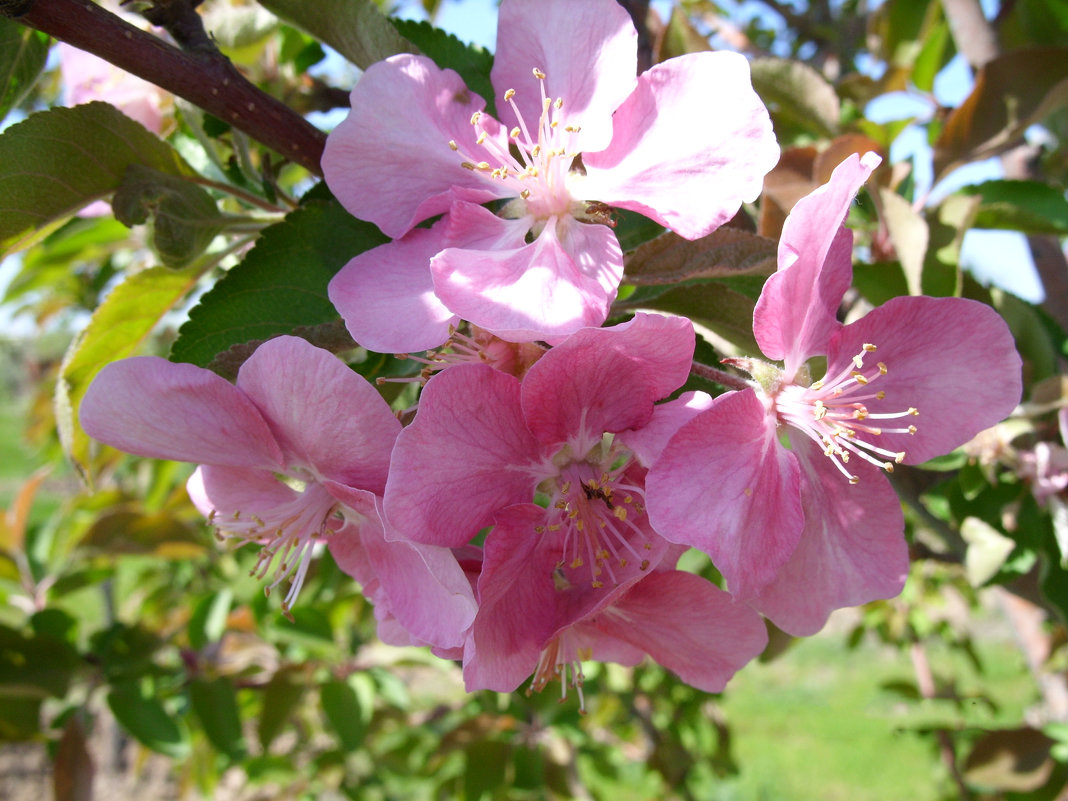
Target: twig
721,377
201,75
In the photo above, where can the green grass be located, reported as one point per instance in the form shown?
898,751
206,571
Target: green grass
817,724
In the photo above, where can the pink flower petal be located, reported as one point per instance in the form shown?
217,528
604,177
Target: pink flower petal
725,485
563,281
952,359
389,161
155,408
686,624
606,379
228,491
324,415
470,431
517,604
796,313
386,294
588,52
647,442
423,585
691,143
852,549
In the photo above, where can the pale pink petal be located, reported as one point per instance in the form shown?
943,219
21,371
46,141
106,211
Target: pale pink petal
606,379
950,358
424,587
386,294
647,442
686,624
852,549
563,281
588,52
725,485
390,161
691,143
465,456
228,491
324,415
796,313
87,78
155,408
1062,424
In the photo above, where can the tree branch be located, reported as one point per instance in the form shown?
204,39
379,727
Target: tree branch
202,75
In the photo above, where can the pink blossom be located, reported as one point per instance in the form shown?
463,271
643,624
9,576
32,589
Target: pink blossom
295,454
802,530
556,578
685,143
1046,465
87,77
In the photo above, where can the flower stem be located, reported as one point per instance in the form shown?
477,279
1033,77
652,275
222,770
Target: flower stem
721,377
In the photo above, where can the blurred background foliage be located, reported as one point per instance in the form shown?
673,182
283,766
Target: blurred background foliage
138,656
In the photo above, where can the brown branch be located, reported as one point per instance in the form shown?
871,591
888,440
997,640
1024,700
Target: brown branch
201,75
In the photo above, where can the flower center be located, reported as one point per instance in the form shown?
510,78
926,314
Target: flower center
833,412
593,508
535,162
288,530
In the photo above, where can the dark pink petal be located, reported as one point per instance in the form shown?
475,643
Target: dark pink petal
647,442
852,549
467,455
152,407
588,52
423,585
952,359
725,485
606,379
795,315
386,294
690,144
686,624
325,416
564,280
517,603
389,161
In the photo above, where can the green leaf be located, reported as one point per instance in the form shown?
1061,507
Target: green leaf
23,52
280,698
669,258
56,161
354,28
473,63
117,329
713,305
208,621
487,761
797,96
342,708
1028,206
280,285
146,719
34,667
880,281
987,550
909,235
185,217
159,534
215,704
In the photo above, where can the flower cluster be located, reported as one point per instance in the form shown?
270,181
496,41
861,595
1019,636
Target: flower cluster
533,513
